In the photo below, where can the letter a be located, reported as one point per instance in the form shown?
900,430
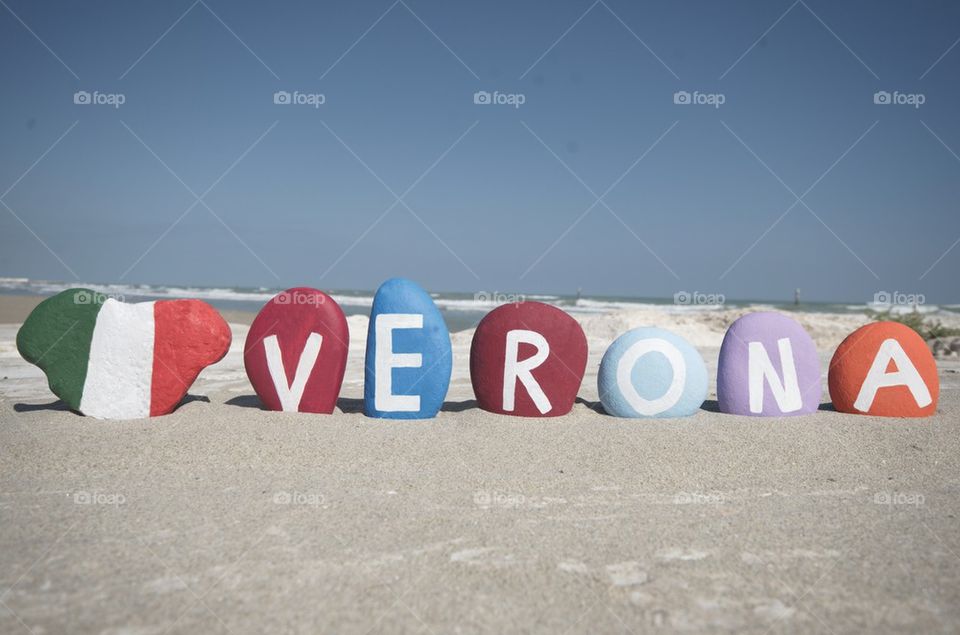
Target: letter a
905,375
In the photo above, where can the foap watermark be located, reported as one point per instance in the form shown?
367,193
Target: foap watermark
685,298
487,499
99,498
696,98
896,98
499,298
300,298
698,498
496,98
913,499
294,497
96,98
84,296
898,298
296,98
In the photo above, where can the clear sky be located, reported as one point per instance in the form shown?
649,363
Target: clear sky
598,179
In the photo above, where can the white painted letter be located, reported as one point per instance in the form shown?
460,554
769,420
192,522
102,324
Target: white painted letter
514,369
650,407
290,395
786,393
386,360
905,375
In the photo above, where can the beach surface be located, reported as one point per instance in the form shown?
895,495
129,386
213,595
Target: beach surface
222,517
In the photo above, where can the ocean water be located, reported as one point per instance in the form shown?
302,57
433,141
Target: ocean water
461,310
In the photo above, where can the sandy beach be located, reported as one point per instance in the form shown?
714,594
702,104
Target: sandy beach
222,517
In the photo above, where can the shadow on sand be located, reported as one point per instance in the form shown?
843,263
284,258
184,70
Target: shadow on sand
34,407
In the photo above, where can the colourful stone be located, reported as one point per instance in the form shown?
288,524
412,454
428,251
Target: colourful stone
651,372
527,359
884,369
111,360
409,359
296,351
768,367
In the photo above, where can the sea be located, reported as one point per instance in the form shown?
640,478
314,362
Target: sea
463,310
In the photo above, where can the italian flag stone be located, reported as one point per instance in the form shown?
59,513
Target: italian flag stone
112,360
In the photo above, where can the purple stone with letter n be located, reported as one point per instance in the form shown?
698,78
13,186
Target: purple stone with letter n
768,367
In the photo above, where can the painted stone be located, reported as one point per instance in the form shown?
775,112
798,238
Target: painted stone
409,359
527,359
296,351
768,367
651,372
112,360
884,369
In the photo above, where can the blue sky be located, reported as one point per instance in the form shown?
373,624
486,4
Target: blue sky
598,180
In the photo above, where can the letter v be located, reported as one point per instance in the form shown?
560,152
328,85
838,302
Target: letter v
290,395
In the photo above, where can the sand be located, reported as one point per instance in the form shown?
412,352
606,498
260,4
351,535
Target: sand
225,518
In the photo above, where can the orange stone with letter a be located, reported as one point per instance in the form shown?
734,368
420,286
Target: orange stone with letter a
884,369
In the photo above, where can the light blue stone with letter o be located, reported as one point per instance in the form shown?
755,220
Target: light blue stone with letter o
650,372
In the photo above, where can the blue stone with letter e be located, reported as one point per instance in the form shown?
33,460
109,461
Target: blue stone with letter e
409,361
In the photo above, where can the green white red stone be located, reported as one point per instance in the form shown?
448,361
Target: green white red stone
112,360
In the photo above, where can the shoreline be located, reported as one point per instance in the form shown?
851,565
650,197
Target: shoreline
14,309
